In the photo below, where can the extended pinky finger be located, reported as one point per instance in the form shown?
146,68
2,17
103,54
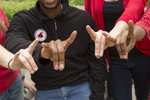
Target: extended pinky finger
26,64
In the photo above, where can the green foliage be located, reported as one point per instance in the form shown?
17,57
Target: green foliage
148,3
10,7
79,2
72,2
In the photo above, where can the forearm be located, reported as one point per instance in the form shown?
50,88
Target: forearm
20,72
5,57
139,32
133,10
120,25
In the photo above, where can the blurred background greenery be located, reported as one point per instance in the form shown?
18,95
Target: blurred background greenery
10,7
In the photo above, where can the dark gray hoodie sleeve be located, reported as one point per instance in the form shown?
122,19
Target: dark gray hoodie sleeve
98,73
17,37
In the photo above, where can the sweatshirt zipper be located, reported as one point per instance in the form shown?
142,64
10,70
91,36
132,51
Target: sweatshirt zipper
55,28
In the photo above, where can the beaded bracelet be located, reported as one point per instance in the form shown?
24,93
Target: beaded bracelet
9,63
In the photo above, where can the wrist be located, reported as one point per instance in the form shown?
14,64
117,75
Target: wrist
23,77
9,64
120,25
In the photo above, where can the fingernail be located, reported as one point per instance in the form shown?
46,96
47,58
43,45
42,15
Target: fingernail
32,71
96,54
124,56
61,66
35,68
56,67
100,54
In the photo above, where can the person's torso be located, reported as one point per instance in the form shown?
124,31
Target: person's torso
111,12
7,76
76,66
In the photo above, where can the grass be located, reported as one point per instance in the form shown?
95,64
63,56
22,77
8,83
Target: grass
79,2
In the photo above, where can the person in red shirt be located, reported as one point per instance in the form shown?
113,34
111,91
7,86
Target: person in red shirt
11,83
138,35
112,16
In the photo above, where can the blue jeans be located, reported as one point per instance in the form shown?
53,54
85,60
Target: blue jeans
123,71
77,92
15,91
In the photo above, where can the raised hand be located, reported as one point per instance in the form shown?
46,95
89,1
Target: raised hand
55,51
24,60
100,41
126,41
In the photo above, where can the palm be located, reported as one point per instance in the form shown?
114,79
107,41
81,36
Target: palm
55,51
23,59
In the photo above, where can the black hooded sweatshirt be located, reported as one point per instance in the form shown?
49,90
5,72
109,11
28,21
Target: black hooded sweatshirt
80,62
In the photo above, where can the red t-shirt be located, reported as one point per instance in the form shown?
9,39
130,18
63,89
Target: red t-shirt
7,76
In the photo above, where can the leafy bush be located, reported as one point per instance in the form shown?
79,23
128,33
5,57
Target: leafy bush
10,7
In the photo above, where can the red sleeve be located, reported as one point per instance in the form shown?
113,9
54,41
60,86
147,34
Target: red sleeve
87,6
133,10
144,22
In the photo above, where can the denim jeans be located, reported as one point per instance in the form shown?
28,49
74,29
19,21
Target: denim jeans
123,71
77,92
15,91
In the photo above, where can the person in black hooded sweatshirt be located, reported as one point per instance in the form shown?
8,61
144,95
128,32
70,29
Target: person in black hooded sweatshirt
64,72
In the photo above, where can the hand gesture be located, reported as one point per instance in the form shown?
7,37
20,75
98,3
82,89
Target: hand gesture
24,60
100,41
55,51
30,86
126,41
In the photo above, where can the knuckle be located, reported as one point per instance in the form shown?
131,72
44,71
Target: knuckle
120,53
102,42
21,50
61,51
97,41
122,43
101,49
117,44
29,57
55,53
123,31
100,31
97,47
52,41
124,51
58,40
24,61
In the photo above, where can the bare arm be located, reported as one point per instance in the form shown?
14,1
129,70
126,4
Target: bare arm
21,60
5,57
139,32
